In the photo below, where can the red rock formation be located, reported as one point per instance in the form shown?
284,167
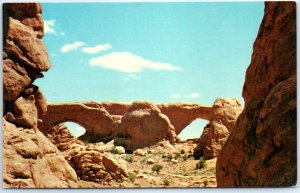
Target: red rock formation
222,120
29,158
98,167
100,119
96,120
261,150
181,115
143,125
62,138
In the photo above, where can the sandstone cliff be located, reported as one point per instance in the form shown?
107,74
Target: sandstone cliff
261,150
29,158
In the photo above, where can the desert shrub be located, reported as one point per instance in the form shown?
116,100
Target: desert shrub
164,156
132,177
182,151
201,164
176,155
205,182
86,142
185,157
143,161
114,150
170,157
129,158
166,182
156,168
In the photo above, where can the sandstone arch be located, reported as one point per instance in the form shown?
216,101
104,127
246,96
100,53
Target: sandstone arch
181,115
100,118
95,119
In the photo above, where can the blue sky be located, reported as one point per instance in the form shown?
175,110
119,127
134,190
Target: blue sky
161,52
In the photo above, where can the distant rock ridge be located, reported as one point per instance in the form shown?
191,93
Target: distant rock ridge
105,121
261,151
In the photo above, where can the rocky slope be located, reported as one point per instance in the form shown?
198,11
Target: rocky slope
222,120
29,158
261,150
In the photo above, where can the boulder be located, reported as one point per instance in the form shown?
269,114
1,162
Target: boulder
23,45
142,126
119,149
139,152
150,161
98,167
25,112
15,80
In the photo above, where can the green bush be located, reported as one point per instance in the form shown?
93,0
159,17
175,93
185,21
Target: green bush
86,142
201,164
166,182
129,158
185,157
156,168
132,177
205,183
114,150
177,155
170,157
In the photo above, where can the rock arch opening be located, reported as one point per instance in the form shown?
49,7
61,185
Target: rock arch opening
193,130
75,129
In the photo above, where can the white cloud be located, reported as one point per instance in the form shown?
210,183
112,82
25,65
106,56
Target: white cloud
193,95
49,26
96,49
129,63
132,76
62,33
175,95
71,47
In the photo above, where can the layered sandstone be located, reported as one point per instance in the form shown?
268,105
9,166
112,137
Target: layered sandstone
62,138
222,120
29,159
261,150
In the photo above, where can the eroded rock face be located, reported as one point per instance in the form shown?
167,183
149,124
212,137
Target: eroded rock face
94,118
29,159
261,150
98,167
62,138
222,120
143,125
